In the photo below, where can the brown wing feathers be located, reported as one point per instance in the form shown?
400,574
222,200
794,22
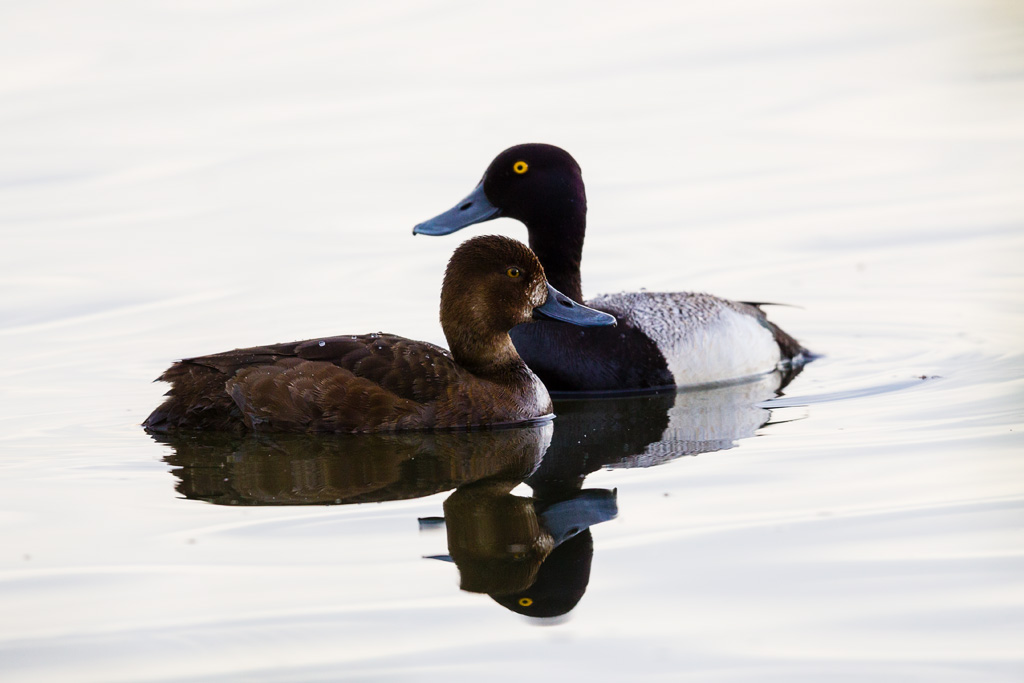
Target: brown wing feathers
374,382
298,395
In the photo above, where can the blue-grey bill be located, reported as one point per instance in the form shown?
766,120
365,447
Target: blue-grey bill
560,307
475,208
442,558
565,519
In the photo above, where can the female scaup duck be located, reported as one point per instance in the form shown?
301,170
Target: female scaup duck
663,339
382,382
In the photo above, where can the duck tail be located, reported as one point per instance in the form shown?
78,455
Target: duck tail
794,354
196,400
792,351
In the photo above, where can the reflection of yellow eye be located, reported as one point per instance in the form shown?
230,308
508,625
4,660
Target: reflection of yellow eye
520,167
512,272
525,602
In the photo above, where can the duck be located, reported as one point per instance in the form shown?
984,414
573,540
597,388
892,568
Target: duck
382,382
664,340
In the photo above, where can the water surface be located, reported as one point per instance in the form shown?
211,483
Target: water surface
180,179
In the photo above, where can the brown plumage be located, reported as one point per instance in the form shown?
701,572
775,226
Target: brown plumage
382,382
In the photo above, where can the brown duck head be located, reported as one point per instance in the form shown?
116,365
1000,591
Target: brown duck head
492,284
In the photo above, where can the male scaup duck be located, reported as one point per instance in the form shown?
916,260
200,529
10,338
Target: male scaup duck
664,339
382,382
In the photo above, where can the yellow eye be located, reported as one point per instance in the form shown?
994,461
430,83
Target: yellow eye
512,272
525,602
520,167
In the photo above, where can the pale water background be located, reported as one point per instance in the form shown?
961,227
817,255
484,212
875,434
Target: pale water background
180,178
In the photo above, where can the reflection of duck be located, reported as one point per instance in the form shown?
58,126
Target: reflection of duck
529,555
381,382
663,339
626,431
533,555
300,469
646,430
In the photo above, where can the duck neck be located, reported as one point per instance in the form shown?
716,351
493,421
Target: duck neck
491,357
557,240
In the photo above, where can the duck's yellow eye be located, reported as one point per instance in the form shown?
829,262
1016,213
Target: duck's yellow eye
520,167
512,272
525,602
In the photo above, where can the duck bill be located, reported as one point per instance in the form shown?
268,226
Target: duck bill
475,208
566,518
560,307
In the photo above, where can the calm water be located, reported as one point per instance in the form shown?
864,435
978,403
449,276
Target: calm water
184,178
